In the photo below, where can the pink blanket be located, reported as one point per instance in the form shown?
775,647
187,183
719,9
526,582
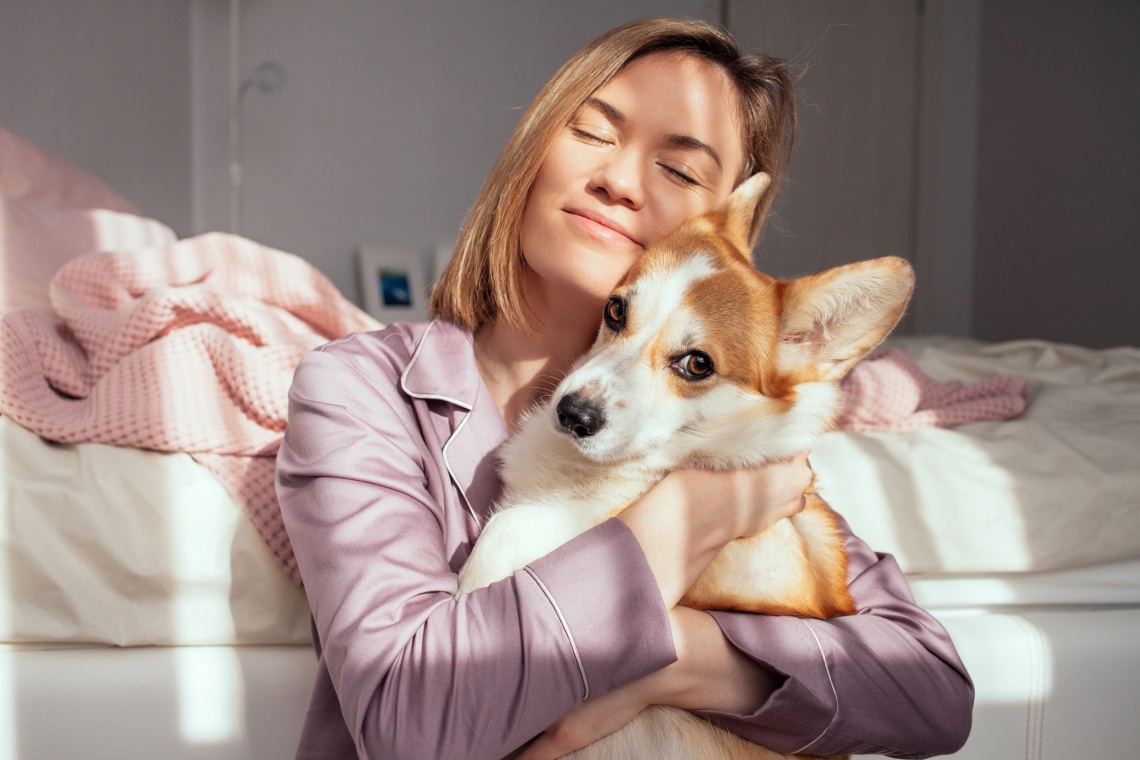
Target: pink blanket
188,347
887,392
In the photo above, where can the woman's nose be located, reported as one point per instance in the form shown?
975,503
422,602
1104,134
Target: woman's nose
620,179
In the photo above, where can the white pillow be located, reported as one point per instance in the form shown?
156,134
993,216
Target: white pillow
36,240
30,173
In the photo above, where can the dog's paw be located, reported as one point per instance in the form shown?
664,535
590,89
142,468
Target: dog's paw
484,568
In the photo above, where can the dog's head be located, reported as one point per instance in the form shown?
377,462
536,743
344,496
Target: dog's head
702,359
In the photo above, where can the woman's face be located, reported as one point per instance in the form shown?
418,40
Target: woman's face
657,144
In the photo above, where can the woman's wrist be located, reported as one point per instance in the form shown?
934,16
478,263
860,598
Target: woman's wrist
677,541
710,673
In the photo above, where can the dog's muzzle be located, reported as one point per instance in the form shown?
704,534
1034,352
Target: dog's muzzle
578,417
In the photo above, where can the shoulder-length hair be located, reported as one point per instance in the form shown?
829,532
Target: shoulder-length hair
484,279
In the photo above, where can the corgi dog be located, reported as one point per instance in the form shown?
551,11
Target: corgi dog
703,361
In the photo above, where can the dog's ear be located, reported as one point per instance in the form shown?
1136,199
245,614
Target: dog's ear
741,210
831,320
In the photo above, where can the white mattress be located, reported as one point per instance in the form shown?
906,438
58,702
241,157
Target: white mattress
1057,488
1110,583
109,545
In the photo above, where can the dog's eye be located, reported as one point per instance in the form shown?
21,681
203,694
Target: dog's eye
614,313
695,366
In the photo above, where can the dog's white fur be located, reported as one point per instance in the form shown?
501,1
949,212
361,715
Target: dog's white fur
558,485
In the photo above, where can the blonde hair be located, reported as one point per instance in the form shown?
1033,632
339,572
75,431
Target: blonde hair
484,279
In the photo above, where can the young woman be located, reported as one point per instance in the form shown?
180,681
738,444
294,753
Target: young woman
387,470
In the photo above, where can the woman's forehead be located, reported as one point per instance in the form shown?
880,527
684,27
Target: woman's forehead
690,97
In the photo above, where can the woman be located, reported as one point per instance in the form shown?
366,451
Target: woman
388,470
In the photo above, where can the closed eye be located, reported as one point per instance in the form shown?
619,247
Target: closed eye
679,175
589,137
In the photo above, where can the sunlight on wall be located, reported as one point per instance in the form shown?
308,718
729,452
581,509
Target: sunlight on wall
211,695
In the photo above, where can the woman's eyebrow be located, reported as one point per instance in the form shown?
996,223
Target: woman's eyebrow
681,141
607,110
685,141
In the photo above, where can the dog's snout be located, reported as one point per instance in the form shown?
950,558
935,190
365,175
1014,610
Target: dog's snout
579,417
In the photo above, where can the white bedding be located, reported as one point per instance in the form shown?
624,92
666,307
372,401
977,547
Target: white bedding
1057,488
110,545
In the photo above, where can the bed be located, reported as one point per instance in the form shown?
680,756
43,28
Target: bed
149,606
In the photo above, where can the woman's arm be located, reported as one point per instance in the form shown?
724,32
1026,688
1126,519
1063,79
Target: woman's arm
374,520
708,671
680,525
687,518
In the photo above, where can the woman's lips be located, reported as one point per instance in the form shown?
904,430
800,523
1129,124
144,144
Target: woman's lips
600,226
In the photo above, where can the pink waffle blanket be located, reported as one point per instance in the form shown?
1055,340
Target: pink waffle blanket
188,347
887,392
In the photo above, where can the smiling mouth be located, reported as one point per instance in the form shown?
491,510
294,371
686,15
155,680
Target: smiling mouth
602,227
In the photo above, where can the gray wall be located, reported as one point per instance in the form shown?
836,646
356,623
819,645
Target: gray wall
106,84
392,115
1059,172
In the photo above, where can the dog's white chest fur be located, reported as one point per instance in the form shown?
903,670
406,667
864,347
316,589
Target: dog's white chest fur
551,494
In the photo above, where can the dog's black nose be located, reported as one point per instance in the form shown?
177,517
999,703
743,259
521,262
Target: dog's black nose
579,417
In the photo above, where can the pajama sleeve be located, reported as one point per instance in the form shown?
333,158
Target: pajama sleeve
886,680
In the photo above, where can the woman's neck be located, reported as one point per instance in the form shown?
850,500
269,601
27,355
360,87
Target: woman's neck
521,369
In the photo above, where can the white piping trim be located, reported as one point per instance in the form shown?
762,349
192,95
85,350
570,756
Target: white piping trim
566,628
455,480
411,363
461,404
826,669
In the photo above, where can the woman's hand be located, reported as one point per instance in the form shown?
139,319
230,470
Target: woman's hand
684,520
590,721
709,673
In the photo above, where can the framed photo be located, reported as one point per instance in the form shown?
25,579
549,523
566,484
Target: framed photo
441,254
392,283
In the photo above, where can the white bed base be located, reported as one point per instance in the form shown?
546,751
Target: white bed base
165,703
1055,681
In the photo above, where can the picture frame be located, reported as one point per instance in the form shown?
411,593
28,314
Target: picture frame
441,254
392,283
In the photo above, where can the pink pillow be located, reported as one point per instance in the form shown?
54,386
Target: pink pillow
30,173
36,240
